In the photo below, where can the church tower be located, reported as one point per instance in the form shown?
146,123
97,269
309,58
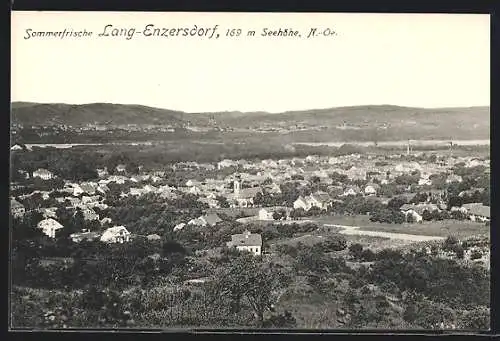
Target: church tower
237,187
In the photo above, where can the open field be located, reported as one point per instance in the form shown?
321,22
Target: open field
373,243
433,228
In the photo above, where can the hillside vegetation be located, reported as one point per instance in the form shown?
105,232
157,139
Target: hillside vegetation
359,123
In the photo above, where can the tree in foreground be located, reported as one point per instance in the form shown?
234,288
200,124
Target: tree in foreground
248,279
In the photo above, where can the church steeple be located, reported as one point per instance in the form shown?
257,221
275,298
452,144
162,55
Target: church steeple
237,186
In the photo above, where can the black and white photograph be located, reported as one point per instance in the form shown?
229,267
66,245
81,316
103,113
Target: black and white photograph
235,171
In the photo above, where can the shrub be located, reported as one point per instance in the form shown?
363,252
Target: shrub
477,319
410,313
450,243
389,254
337,264
388,216
368,255
355,250
285,320
476,254
459,251
410,219
430,315
457,215
427,216
334,243
286,249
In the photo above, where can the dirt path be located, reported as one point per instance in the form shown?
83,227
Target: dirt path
355,230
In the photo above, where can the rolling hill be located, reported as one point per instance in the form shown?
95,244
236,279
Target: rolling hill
347,122
94,113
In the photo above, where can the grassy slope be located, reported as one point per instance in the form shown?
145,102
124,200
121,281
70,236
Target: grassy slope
432,228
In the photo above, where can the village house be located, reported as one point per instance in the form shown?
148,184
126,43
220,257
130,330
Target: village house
158,173
168,195
354,173
477,212
84,236
102,188
72,202
89,214
116,234
179,226
273,189
102,172
436,196
312,159
121,168
191,183
16,147
153,237
48,212
206,220
371,189
319,199
453,178
49,227
419,208
103,181
105,221
85,199
135,178
417,218
149,189
43,174
335,191
194,190
155,178
136,191
269,163
89,188
408,167
246,241
267,213
24,174
351,190
326,181
473,163
301,202
16,208
211,202
424,182
75,189
119,179
334,160
226,163
470,192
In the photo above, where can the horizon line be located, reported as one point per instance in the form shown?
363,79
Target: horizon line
255,111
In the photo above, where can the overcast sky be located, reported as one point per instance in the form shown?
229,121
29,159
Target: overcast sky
439,60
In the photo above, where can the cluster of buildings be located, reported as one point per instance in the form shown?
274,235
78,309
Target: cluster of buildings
246,180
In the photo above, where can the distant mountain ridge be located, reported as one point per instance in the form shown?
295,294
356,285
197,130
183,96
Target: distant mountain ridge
469,122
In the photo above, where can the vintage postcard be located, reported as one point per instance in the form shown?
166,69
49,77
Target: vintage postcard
250,171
